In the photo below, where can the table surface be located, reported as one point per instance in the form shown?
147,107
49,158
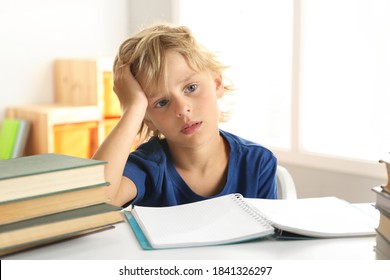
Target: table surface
120,243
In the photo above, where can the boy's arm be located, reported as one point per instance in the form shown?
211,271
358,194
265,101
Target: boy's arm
116,147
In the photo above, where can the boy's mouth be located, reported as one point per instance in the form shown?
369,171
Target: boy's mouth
191,127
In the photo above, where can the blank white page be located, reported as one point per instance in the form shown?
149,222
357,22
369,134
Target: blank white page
317,217
214,221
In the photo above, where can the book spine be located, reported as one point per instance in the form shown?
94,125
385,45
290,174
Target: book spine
21,139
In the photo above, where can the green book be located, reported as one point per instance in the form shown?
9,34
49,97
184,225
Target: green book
45,229
58,217
43,174
8,134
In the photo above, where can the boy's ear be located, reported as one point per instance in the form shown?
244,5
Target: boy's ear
217,76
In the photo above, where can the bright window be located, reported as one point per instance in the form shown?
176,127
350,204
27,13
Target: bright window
313,76
255,39
345,78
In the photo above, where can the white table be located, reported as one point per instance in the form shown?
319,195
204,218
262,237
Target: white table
121,244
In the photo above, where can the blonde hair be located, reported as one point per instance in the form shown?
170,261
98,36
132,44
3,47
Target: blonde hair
145,54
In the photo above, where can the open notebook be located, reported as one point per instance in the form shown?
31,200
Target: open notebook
232,218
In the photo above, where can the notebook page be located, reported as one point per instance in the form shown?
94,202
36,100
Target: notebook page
317,217
214,221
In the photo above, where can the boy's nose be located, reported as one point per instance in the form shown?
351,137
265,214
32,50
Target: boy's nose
182,108
183,113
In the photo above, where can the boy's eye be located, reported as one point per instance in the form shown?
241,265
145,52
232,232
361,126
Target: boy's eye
161,103
191,88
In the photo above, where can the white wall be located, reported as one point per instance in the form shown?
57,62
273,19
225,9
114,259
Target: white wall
313,182
144,13
34,33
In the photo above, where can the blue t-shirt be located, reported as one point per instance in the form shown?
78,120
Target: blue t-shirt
251,172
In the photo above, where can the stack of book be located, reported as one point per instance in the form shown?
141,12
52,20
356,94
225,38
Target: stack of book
52,197
382,203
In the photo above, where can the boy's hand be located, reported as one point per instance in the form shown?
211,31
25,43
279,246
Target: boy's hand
127,88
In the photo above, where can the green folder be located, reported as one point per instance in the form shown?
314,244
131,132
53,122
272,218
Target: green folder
8,135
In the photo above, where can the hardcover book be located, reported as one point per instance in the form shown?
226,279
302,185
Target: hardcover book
44,229
47,173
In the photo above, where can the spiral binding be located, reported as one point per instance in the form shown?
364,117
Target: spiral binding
252,211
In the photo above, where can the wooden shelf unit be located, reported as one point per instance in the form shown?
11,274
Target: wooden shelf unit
86,82
84,111
48,123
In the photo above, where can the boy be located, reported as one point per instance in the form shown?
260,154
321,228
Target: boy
168,87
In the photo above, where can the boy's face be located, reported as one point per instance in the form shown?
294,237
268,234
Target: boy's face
188,114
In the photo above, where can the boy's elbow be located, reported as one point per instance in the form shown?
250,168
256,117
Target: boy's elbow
125,192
